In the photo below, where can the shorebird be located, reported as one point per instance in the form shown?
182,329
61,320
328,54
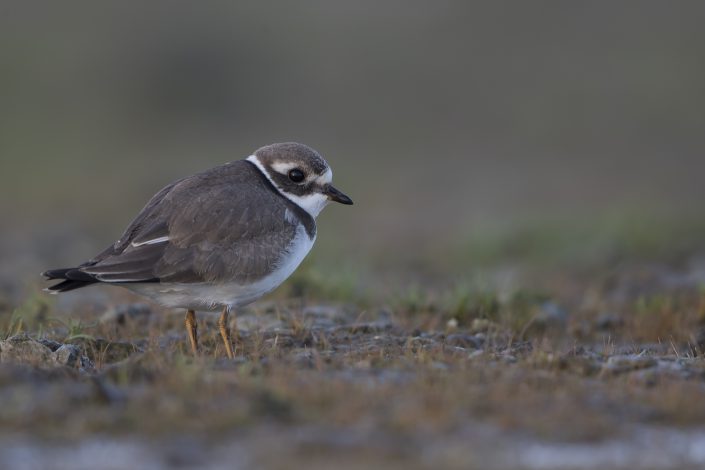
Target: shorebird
219,239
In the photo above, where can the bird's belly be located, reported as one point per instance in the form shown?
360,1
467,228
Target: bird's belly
202,296
215,296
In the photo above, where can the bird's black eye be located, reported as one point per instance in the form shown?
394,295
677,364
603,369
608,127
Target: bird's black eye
296,175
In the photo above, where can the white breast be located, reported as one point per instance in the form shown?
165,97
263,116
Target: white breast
205,296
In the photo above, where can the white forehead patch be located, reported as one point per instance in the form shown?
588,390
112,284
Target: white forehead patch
327,177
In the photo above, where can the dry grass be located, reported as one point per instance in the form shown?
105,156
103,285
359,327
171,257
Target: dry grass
405,374
564,356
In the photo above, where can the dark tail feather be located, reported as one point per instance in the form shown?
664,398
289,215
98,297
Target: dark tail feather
66,286
72,279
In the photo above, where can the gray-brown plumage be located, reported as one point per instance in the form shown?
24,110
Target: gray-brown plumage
225,224
220,238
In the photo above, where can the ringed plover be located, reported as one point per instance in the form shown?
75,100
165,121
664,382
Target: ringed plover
219,239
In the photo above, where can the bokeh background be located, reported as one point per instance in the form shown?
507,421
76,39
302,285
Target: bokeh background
520,283
451,124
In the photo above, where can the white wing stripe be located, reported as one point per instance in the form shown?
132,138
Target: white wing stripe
151,242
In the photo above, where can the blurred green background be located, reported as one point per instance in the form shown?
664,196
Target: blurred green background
451,124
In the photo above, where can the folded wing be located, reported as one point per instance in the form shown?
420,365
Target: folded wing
226,224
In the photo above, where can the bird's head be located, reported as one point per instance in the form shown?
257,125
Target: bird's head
300,174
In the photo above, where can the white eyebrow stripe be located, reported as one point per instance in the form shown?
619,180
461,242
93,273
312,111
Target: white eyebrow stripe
283,168
151,242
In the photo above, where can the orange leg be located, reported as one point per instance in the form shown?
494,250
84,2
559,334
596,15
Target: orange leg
225,333
192,330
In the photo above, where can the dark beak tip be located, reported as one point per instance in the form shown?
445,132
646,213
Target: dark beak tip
337,196
343,200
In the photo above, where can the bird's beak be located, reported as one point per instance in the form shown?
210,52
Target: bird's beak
335,195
